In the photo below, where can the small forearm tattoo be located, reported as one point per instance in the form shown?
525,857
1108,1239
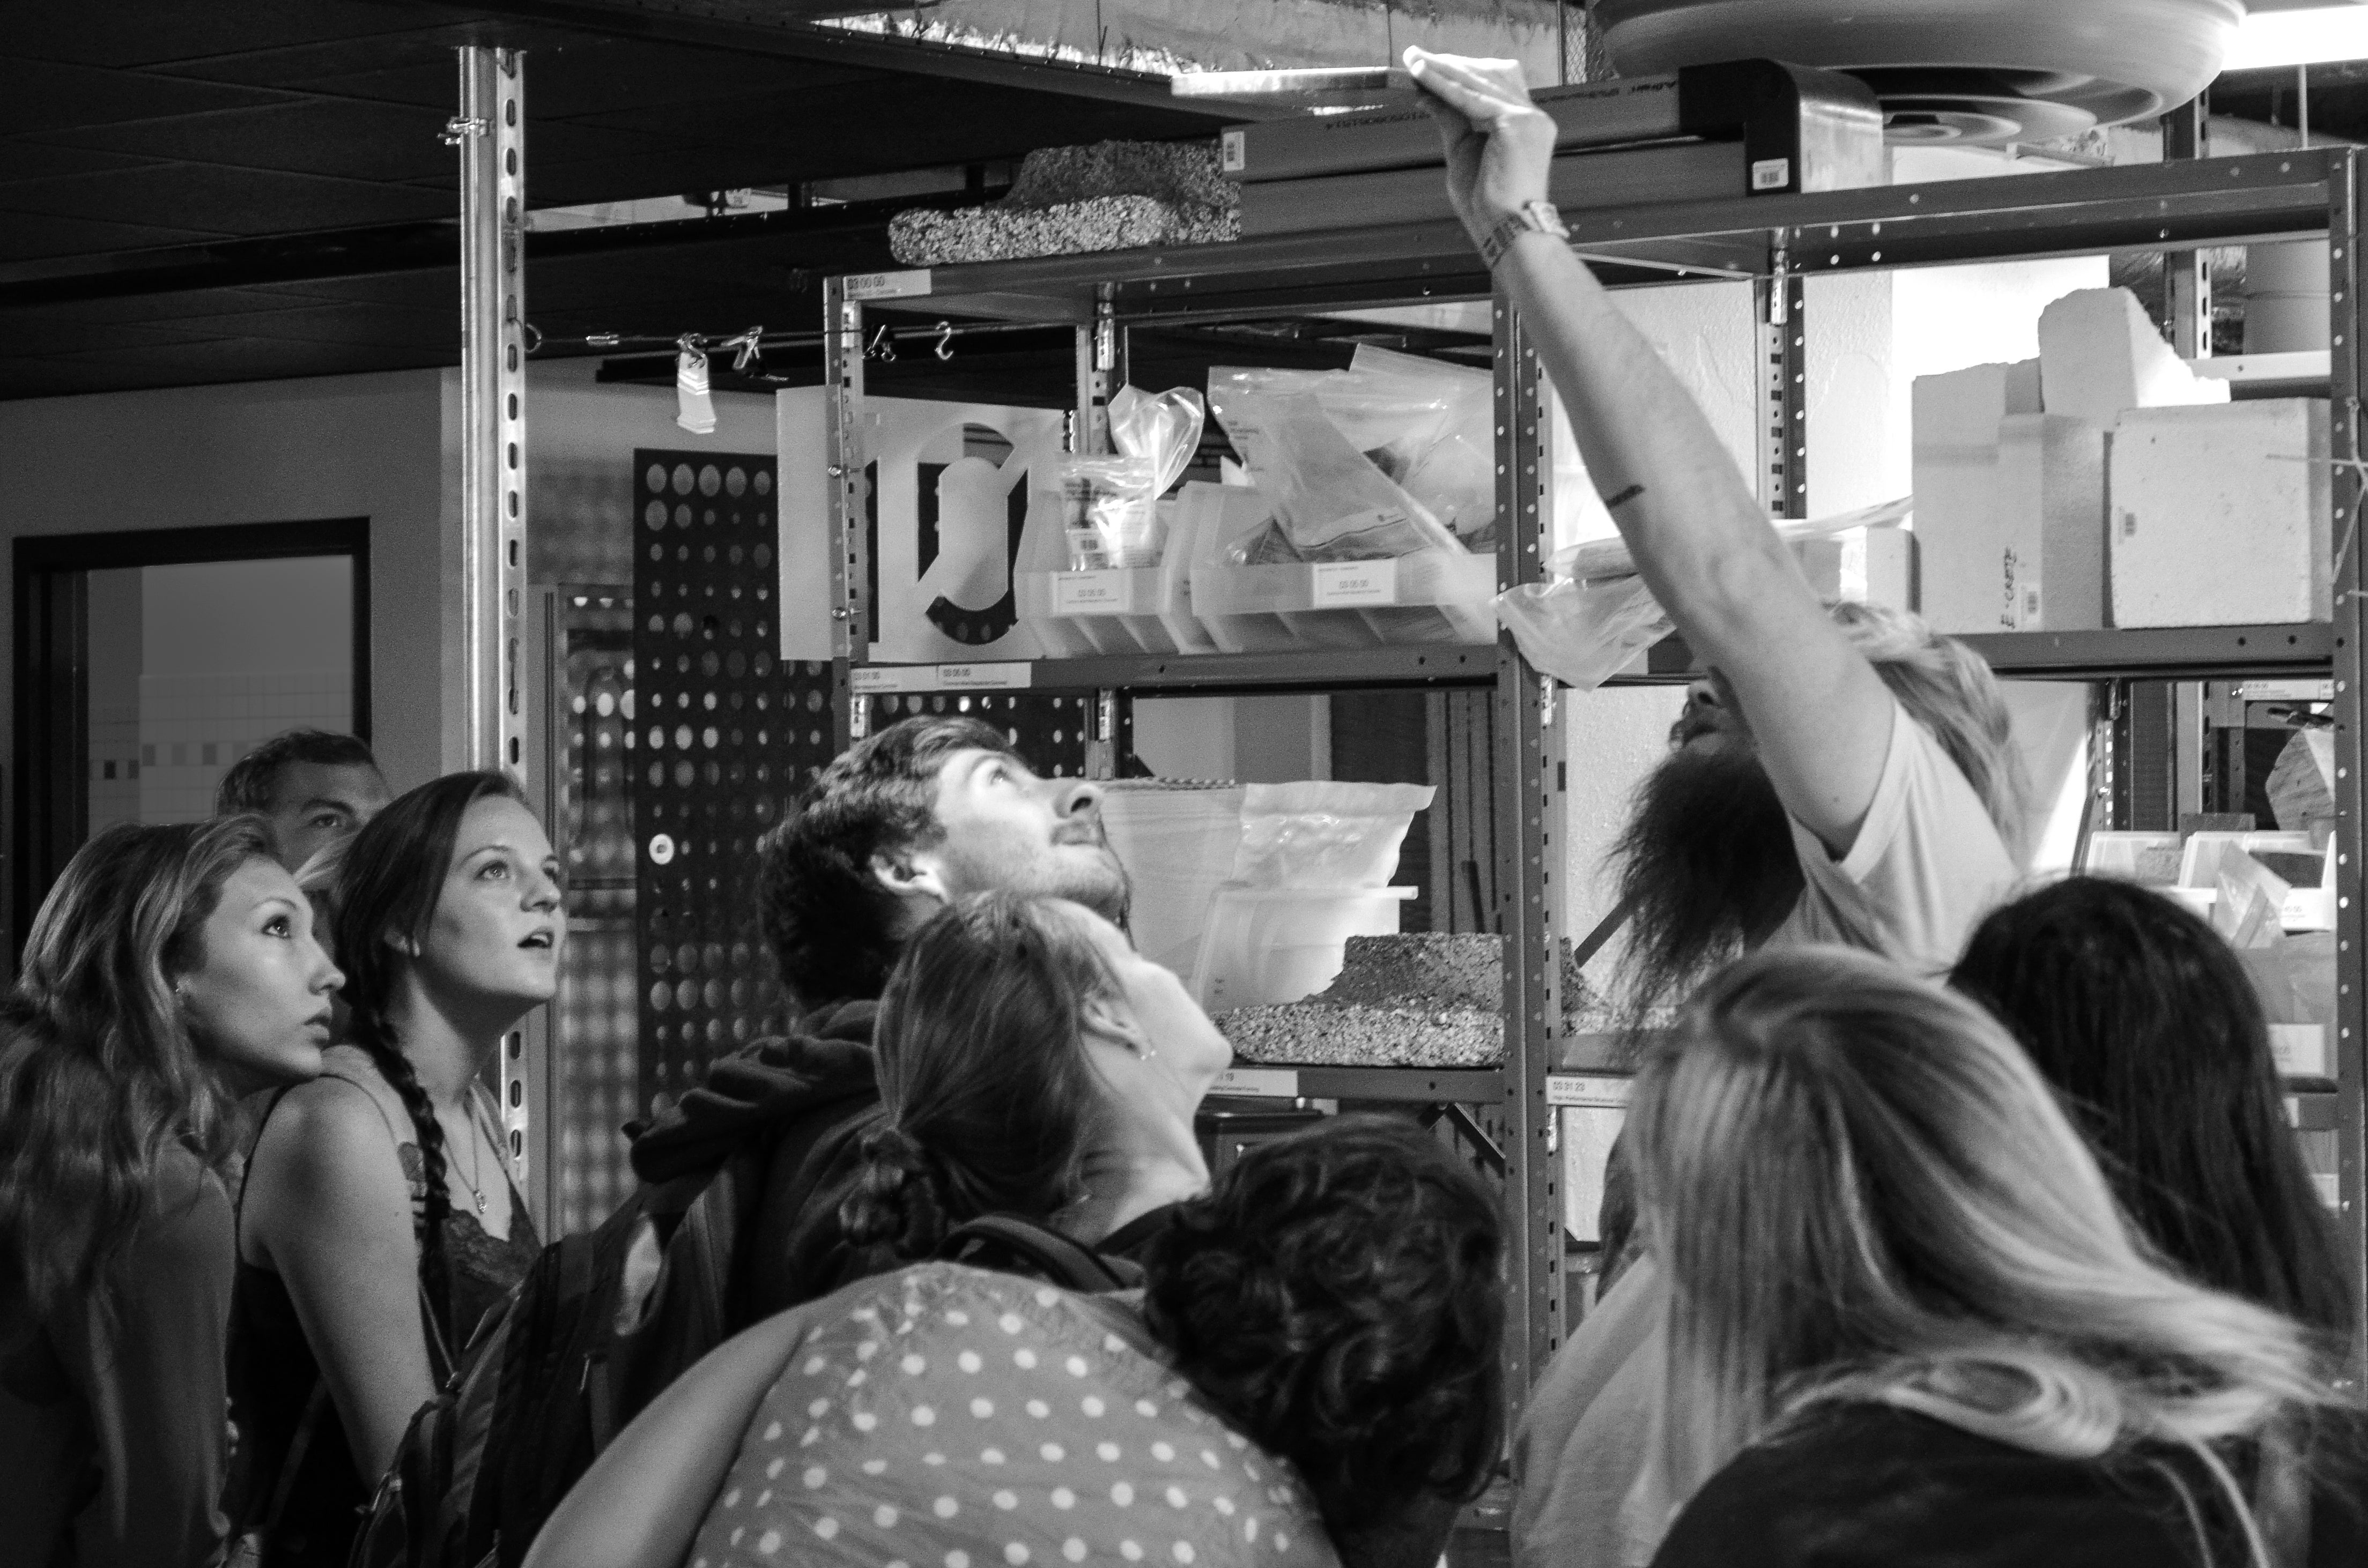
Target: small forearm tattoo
1623,497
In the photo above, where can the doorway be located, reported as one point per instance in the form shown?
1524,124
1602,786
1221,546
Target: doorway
148,662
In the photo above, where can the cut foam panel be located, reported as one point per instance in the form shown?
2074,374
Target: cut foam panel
1960,535
2051,500
2098,355
2221,516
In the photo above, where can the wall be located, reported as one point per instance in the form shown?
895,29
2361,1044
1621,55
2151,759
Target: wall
266,451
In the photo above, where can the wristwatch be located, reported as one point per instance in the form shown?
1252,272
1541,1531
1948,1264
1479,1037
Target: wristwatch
1530,218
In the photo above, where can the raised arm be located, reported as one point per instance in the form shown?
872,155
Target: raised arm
642,1503
328,1201
1820,715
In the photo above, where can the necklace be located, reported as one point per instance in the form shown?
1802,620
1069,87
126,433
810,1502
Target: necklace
470,1179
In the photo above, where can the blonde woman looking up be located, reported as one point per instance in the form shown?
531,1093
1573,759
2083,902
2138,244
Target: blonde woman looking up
170,970
1908,1324
379,1222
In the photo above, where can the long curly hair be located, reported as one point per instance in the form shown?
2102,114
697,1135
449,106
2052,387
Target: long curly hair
988,1098
388,886
98,1074
1337,1295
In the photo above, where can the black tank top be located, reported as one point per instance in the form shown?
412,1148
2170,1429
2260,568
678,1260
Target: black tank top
273,1372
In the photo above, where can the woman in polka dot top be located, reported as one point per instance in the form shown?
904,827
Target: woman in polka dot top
1308,1377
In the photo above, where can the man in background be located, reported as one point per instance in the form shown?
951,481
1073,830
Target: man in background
313,787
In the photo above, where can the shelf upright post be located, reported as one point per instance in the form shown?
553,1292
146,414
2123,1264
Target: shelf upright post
490,132
2187,276
850,612
1101,371
1779,316
2347,192
1527,892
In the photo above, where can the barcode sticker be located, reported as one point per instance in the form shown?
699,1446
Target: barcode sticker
1771,174
1089,593
1345,583
887,285
1234,156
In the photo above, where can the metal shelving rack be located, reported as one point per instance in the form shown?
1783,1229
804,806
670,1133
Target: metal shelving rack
1776,242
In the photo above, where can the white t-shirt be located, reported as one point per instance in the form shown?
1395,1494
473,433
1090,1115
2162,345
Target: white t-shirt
1928,864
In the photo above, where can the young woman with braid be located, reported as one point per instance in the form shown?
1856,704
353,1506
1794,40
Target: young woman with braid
171,971
377,1224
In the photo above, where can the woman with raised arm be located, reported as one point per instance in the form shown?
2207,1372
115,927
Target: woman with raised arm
379,1222
171,971
1910,1325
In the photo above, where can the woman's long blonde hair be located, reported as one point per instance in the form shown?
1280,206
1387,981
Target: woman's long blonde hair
1863,1190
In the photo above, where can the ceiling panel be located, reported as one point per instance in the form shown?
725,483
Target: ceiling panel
25,236
221,200
45,95
145,32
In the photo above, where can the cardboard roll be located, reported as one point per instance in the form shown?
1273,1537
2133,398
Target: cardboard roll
1983,71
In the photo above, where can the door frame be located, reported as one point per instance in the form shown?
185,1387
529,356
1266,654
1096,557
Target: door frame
51,799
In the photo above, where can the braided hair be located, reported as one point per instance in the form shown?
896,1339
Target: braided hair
387,893
988,1096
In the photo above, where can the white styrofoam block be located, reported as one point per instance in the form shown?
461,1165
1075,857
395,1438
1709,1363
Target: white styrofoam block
2051,522
1957,416
2221,516
2099,356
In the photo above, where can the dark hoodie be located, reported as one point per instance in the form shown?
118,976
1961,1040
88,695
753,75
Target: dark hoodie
809,1096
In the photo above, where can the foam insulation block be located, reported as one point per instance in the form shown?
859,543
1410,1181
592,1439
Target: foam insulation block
1875,566
1959,536
2051,490
2221,516
2099,354
1067,200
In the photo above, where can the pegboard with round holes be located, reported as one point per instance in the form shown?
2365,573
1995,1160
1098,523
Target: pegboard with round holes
1050,730
724,731
595,1057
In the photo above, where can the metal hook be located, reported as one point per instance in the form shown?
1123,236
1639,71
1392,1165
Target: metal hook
749,353
944,347
882,347
533,336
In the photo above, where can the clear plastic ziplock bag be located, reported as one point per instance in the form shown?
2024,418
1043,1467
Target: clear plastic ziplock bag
1582,633
1109,509
1320,834
1332,497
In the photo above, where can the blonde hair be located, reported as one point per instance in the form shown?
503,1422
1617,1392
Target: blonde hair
1949,689
1863,1191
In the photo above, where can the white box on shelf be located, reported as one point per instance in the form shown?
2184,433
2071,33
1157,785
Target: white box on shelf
2300,1051
1958,534
1875,566
1111,610
1432,596
2051,521
2099,356
2152,858
2220,516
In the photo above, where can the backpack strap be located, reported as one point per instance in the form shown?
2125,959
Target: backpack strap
1065,1262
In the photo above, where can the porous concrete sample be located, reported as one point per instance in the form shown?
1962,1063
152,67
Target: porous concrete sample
2221,516
2051,521
2099,356
1959,539
1413,1000
1068,200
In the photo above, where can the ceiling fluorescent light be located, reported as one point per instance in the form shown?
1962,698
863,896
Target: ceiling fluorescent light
2267,38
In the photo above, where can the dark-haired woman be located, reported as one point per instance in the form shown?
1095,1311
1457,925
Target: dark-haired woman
1313,1372
2147,1024
170,970
379,1222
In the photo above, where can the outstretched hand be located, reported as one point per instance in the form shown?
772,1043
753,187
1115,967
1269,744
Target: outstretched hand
1500,146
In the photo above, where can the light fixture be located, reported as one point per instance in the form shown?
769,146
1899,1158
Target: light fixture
2266,40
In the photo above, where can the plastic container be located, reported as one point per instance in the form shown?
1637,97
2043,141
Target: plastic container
1434,597
1176,840
1270,945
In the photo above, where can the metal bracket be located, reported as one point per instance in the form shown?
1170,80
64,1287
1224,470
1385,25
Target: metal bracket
459,129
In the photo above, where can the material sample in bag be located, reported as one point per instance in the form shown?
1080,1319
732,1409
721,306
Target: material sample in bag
1069,201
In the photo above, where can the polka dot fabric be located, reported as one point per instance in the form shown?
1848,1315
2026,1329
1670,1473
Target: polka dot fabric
947,1418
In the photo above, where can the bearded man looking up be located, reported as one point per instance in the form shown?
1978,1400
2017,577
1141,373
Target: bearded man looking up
1839,776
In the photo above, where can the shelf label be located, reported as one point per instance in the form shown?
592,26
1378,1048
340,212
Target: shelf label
1268,1083
872,680
1771,174
1587,1089
1089,593
1233,153
1343,585
887,285
986,677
